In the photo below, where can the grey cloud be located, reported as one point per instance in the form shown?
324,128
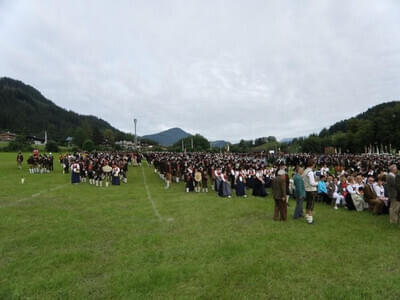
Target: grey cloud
225,69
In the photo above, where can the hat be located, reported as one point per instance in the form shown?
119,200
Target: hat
281,172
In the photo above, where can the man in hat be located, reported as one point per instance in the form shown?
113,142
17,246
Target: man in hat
279,193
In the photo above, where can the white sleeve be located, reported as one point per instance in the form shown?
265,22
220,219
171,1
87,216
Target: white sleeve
311,178
377,190
350,189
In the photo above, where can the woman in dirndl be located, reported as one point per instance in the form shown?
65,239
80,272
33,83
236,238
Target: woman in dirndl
75,174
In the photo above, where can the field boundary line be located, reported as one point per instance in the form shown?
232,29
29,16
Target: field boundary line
35,195
153,204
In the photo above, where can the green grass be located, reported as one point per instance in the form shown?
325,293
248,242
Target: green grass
83,242
3,144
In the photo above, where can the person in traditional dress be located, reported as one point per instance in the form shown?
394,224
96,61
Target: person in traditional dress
217,178
310,185
197,179
224,187
240,184
20,159
356,194
75,172
279,193
189,180
259,184
338,193
204,181
299,192
115,175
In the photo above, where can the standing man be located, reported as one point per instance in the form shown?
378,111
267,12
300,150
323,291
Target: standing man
279,193
310,185
392,190
300,193
20,159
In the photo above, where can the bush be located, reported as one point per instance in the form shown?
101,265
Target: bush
88,145
51,146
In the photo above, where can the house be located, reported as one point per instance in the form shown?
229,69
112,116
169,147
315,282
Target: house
125,144
7,136
68,140
35,140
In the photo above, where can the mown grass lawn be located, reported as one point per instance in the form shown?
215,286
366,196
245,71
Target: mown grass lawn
82,242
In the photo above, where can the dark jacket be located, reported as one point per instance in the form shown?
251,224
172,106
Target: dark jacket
369,193
391,187
279,188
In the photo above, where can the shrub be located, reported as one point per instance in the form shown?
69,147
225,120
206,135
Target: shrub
88,145
19,144
51,146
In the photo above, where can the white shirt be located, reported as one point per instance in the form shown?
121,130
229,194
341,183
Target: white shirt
379,190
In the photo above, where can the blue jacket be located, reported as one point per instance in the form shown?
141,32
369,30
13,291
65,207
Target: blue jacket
321,188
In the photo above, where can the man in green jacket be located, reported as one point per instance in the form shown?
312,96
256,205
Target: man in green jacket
300,193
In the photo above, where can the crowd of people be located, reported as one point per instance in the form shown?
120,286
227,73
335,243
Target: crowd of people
97,168
37,163
344,181
352,182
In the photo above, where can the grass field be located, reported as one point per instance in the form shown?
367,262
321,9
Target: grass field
81,242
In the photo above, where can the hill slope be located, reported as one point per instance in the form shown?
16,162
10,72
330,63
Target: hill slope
25,110
379,127
168,137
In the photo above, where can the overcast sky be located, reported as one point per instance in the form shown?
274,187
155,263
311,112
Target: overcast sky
224,69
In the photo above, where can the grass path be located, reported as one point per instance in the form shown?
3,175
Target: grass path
139,241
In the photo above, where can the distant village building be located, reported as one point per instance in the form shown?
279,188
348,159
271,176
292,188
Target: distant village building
68,140
7,136
125,144
36,140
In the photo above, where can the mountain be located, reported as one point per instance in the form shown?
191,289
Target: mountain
219,144
25,110
286,140
168,137
378,127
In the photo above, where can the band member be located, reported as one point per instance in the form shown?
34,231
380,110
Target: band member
197,179
204,181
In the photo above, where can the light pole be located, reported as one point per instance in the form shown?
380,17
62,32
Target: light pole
135,121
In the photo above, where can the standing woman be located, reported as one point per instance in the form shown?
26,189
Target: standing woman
240,182
224,187
259,188
75,174
115,175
